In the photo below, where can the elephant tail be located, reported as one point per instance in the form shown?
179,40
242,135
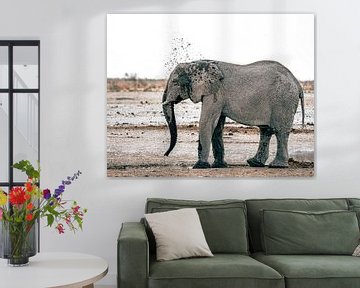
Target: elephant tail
301,96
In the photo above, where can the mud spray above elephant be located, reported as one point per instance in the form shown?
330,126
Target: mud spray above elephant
264,94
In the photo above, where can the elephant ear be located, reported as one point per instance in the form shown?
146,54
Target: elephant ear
205,78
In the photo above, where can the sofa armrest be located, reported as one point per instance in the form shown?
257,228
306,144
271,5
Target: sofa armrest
133,256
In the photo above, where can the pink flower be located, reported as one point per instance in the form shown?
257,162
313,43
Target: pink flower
1,212
60,228
76,210
68,219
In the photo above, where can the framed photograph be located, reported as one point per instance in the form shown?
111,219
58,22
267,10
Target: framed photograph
210,95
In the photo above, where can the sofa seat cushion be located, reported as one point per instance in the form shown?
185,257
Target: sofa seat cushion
222,270
313,271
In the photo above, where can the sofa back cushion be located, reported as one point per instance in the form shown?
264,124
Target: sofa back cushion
353,201
255,206
223,222
298,232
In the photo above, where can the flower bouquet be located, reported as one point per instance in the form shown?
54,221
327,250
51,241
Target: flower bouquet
21,208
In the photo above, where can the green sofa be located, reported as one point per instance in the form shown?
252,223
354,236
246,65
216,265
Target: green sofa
244,238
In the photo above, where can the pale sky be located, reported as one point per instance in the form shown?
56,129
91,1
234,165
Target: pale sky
143,43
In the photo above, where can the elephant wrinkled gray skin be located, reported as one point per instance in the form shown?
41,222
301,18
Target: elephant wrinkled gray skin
264,94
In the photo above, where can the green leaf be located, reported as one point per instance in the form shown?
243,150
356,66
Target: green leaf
50,219
28,168
53,211
79,221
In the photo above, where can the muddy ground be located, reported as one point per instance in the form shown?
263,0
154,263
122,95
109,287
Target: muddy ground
137,137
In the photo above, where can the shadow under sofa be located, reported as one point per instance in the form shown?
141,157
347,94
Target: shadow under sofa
233,231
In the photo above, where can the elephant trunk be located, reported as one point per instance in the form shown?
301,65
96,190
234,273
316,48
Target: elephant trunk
168,108
301,96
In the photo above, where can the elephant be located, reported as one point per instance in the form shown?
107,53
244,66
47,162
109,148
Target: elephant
263,94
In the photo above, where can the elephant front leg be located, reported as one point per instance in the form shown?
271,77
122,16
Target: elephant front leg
218,144
205,132
202,163
262,153
282,156
210,114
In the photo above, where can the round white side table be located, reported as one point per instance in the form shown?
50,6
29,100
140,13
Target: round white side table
50,270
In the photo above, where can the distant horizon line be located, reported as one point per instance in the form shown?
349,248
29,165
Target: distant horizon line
160,79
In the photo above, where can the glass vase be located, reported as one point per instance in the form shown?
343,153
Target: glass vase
18,242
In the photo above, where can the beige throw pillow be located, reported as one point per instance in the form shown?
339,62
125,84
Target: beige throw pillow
357,251
178,234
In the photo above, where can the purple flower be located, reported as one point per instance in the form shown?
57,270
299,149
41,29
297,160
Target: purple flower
68,181
58,192
46,194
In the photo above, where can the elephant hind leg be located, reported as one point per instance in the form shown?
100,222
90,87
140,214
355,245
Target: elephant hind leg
218,144
262,153
282,156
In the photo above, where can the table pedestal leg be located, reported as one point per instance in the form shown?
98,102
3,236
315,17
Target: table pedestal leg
89,286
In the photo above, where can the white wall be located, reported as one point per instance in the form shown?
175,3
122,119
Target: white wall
73,82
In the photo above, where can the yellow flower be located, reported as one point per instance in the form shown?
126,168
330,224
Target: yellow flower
3,198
